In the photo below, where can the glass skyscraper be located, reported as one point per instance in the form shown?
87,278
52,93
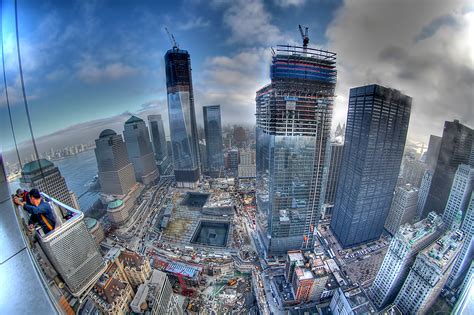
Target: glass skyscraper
182,118
377,124
293,132
455,149
213,134
158,140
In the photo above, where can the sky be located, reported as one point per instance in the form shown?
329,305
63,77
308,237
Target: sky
94,62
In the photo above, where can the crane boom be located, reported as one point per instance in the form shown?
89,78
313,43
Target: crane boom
304,36
172,39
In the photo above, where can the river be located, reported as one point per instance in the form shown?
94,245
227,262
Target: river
78,171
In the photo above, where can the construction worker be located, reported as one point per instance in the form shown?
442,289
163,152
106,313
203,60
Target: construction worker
40,211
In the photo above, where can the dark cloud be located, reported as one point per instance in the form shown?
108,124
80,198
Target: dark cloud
375,43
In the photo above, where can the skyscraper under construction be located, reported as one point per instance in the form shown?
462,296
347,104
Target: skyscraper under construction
293,116
182,118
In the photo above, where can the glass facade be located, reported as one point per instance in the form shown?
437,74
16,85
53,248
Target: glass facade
182,119
213,134
158,138
377,124
455,149
292,137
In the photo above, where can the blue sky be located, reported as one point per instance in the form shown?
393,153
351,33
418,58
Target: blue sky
88,60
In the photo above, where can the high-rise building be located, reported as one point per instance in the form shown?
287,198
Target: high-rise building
140,152
464,303
113,293
413,171
247,168
182,118
71,250
404,246
423,192
158,140
116,173
135,266
352,301
44,176
433,152
403,208
429,274
459,196
334,171
292,136
455,149
213,135
156,297
233,158
466,256
377,124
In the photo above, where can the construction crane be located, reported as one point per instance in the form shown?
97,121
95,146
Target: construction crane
304,36
172,39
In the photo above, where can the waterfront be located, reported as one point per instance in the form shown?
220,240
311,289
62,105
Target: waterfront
78,170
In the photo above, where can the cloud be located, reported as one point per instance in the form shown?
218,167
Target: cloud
250,23
421,48
90,72
232,81
289,3
194,23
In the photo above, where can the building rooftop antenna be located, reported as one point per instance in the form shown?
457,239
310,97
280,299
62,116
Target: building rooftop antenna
304,36
172,39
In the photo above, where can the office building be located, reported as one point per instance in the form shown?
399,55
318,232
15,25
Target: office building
247,168
116,173
136,267
158,140
46,177
433,152
292,136
403,208
239,137
404,246
140,152
233,160
466,256
213,135
352,301
464,304
112,293
377,124
429,273
307,276
423,193
413,171
459,196
182,118
155,297
455,149
333,176
95,228
71,250
121,209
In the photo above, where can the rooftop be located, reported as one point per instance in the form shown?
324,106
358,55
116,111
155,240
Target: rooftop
303,273
444,250
297,257
35,166
107,133
90,222
359,301
413,233
115,204
131,259
133,120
